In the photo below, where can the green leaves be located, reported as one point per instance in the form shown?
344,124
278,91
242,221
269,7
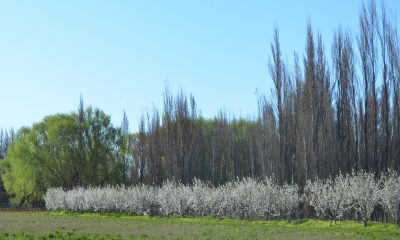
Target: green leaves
63,150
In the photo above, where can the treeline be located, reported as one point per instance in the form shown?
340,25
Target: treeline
180,144
328,113
331,111
6,138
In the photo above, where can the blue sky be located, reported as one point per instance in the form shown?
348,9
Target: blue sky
120,54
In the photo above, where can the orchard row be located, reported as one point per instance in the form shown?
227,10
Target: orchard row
353,196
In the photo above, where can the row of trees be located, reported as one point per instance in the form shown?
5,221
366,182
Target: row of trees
238,199
180,144
330,113
351,196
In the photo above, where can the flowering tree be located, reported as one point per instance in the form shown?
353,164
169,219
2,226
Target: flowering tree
365,193
334,197
173,198
198,200
391,195
55,199
317,195
242,197
265,199
288,200
340,197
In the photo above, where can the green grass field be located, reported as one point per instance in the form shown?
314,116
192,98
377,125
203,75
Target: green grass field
55,225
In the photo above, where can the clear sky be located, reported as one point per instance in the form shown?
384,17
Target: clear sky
120,54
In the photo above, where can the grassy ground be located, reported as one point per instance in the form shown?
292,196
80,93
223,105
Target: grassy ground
94,226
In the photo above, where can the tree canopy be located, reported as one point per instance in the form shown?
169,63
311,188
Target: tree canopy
64,150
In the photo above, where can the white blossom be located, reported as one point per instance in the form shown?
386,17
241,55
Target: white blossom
332,198
365,193
391,195
288,200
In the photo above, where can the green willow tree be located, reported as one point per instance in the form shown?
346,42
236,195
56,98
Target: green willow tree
64,150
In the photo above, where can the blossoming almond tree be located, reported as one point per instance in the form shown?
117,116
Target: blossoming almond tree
288,200
340,198
317,195
265,199
391,195
365,193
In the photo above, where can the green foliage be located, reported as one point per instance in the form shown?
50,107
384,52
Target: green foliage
20,177
64,150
